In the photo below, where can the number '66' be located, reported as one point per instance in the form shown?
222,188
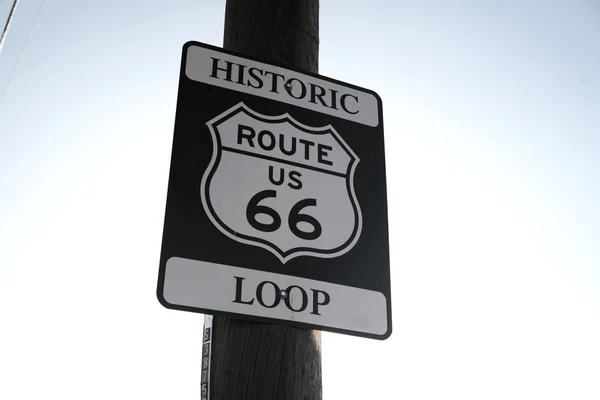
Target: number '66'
295,217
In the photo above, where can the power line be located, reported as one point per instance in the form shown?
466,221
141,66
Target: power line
8,21
12,74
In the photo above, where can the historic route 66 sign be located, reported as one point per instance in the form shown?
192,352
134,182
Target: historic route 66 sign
294,191
276,207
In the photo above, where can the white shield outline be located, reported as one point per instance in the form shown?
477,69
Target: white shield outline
283,256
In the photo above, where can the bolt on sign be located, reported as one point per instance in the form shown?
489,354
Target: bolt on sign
276,205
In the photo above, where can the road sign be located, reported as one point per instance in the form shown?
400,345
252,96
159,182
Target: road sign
276,206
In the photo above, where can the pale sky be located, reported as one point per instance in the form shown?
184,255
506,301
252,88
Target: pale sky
492,125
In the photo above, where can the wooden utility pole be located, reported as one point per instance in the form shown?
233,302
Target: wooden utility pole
254,361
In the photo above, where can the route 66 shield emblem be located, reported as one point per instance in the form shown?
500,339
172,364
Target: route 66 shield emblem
275,183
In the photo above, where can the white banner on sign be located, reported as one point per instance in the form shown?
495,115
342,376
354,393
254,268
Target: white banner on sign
281,84
259,293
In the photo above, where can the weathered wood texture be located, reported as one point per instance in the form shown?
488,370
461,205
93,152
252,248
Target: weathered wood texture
261,361
280,31
252,361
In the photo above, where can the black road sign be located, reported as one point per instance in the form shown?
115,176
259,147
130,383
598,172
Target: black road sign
276,207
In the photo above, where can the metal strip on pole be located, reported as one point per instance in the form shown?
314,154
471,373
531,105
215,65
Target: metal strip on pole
206,358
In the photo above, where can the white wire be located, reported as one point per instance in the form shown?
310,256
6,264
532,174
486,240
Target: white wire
12,74
8,22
